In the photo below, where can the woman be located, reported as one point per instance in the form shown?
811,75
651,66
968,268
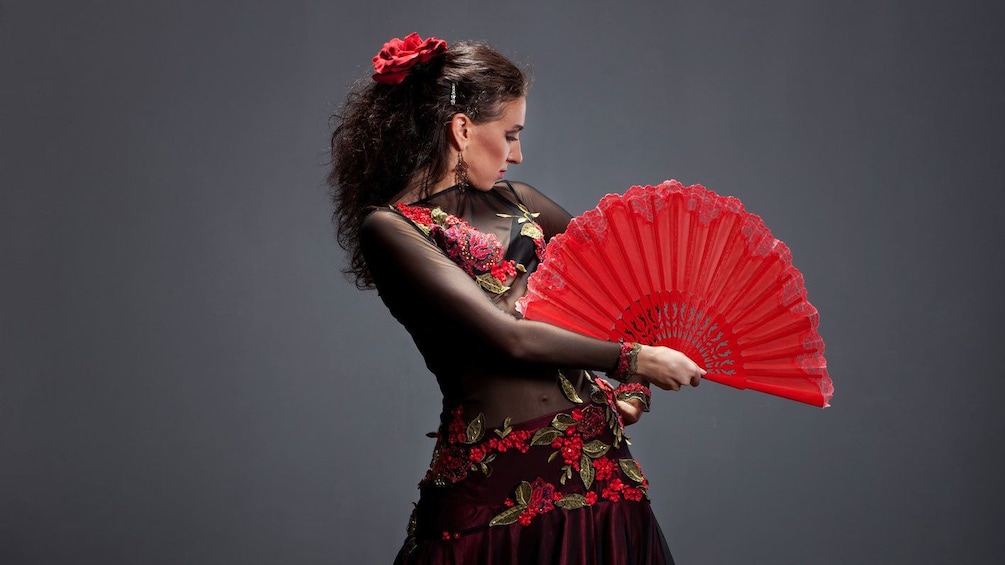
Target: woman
530,463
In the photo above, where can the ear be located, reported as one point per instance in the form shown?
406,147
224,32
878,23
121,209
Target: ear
460,131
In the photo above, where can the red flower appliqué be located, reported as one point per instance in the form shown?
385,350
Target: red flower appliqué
605,468
398,56
541,496
479,254
571,448
453,464
584,440
591,421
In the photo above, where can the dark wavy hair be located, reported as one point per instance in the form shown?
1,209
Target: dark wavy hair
390,138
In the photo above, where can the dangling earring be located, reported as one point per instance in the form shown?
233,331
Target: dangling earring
461,172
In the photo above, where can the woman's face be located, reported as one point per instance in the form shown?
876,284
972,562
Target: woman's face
495,145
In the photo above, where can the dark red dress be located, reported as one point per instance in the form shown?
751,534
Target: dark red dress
530,463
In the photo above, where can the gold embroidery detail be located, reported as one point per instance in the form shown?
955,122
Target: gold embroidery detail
509,516
523,493
531,230
476,429
598,397
568,389
567,475
562,421
490,283
528,227
559,428
631,468
635,395
506,429
438,215
586,471
596,448
545,436
571,501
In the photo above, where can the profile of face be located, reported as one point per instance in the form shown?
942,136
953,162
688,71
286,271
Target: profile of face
489,148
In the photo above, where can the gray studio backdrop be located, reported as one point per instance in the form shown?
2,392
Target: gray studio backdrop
186,376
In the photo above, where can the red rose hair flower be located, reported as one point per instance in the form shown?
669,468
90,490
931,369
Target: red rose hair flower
397,57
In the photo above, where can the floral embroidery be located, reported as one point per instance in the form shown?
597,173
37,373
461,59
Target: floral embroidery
479,254
589,420
634,391
604,469
529,228
464,451
576,440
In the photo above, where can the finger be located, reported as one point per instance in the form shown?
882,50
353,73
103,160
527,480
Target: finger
630,412
695,380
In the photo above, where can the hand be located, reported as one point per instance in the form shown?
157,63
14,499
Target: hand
630,410
668,368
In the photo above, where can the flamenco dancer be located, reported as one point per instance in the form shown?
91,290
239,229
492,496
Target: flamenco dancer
530,463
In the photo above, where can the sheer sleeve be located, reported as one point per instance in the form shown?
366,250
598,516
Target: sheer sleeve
448,315
553,219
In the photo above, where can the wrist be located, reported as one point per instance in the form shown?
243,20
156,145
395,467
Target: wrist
644,364
628,361
636,393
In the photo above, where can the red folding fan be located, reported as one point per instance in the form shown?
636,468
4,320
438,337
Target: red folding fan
689,269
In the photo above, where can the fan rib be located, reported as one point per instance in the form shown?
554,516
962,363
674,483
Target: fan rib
692,270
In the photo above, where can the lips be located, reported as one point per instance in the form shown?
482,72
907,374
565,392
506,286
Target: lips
501,175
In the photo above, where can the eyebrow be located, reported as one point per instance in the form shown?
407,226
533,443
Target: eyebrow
516,128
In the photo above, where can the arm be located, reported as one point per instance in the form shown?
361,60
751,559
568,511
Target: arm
413,275
422,286
652,360
666,368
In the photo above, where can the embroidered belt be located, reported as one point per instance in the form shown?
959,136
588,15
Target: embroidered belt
579,458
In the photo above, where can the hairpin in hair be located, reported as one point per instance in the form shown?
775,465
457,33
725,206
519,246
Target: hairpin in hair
453,93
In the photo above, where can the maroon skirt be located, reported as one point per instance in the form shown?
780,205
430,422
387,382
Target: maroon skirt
561,488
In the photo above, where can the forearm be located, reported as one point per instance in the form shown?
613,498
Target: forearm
531,342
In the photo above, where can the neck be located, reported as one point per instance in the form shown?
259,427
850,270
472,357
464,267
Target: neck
415,190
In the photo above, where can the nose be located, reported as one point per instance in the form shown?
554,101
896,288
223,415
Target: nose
515,155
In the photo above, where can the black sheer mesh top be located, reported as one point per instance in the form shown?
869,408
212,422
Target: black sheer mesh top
462,318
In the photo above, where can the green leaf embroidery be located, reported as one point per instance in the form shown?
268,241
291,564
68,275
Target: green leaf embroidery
632,469
523,493
509,516
531,230
586,471
595,448
571,501
562,421
568,389
598,397
490,283
438,215
506,429
476,428
545,436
